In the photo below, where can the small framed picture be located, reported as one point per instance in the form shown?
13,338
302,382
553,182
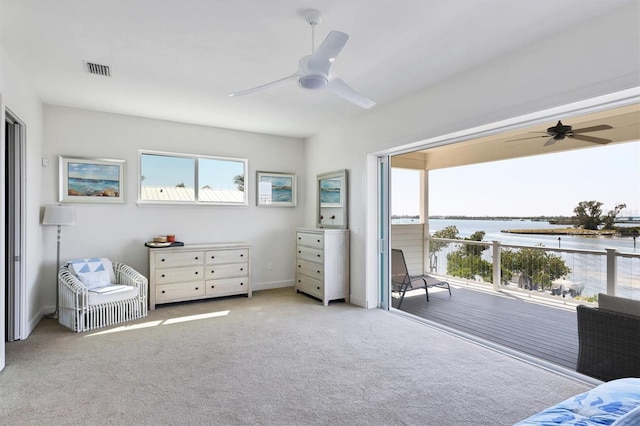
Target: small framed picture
276,189
91,180
331,192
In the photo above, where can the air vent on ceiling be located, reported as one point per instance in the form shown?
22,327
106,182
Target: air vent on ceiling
97,69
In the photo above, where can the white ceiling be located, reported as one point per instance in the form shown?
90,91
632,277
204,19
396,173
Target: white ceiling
178,59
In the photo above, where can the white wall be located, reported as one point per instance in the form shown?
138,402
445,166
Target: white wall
596,58
18,96
119,231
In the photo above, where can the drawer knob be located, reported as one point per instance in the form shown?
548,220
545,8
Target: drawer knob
213,257
318,287
162,275
196,272
213,272
299,251
318,240
197,288
299,281
162,260
241,283
242,269
241,254
299,266
196,257
162,291
299,238
318,271
318,255
213,286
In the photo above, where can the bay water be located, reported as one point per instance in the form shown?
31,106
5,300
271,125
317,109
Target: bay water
588,269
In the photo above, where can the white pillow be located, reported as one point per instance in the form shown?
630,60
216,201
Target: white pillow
619,304
94,272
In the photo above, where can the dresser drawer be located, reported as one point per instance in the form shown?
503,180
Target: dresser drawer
310,286
310,240
227,286
309,253
178,291
226,256
171,260
175,275
226,271
310,269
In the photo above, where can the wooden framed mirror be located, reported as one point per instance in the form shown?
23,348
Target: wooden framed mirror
332,200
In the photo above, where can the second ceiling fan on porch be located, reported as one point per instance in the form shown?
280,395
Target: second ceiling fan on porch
561,131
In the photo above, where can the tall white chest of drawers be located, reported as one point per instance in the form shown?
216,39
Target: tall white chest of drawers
322,263
198,272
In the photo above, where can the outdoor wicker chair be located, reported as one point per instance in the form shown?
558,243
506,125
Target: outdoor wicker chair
96,293
401,280
609,343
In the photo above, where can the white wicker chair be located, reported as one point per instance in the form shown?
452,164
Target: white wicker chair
78,310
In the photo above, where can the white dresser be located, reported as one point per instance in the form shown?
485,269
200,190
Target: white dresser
322,263
198,272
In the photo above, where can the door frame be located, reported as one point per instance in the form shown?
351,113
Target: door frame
19,293
377,243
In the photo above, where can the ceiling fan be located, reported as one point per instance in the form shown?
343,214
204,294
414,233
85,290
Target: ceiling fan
313,70
560,131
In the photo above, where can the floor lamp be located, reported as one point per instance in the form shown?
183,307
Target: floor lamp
59,216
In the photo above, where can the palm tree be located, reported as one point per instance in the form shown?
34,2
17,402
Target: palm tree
238,180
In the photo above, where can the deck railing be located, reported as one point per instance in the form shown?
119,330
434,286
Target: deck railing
574,273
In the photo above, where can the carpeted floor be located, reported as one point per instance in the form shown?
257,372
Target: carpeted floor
278,358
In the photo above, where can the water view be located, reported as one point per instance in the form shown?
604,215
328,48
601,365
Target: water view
493,231
588,269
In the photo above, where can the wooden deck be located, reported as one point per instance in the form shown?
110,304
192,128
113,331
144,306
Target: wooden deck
546,332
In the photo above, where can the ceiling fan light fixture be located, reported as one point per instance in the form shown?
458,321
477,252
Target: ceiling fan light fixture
313,81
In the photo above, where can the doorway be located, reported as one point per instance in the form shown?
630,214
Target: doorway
13,224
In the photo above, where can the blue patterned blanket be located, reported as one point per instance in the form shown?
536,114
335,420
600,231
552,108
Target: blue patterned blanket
614,403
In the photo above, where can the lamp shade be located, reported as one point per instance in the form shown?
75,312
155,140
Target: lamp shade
59,215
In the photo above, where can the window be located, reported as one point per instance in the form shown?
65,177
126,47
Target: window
192,179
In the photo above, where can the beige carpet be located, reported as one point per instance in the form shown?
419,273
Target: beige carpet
276,359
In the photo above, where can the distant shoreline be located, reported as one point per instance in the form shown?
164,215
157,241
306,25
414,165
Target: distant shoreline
622,231
561,231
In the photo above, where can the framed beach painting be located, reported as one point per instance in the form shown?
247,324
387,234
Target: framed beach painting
276,189
331,192
91,180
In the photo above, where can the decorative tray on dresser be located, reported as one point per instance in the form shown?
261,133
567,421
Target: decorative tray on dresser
322,263
198,271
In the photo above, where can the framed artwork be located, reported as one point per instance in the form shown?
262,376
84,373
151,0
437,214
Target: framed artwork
276,189
91,180
331,192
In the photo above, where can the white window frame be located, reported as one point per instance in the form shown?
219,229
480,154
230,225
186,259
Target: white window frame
196,158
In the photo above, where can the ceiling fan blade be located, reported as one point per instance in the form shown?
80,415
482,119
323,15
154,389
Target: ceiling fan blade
589,139
529,137
322,58
293,76
551,141
592,129
342,89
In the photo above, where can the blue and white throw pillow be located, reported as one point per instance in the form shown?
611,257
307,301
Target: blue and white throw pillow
94,272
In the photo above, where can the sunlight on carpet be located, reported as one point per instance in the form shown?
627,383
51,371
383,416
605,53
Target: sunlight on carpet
168,321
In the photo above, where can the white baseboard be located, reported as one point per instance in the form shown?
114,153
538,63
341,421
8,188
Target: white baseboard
359,302
271,285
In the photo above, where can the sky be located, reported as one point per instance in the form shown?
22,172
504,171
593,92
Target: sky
543,185
159,170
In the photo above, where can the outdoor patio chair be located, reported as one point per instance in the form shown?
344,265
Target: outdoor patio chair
401,280
609,338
